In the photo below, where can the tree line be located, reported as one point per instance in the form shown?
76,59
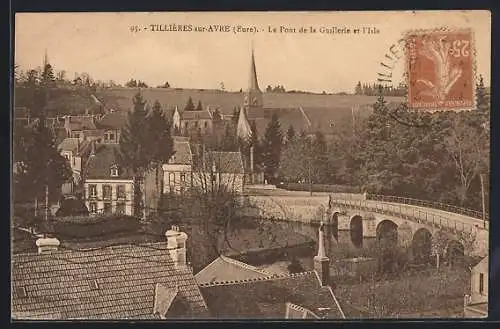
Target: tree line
374,89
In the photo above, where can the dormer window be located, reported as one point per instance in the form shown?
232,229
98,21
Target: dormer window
114,171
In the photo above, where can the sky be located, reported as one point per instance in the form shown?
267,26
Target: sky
103,45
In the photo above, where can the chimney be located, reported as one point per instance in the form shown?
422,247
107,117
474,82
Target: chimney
176,245
47,245
321,261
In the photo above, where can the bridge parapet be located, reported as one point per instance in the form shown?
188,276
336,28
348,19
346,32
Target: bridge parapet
429,204
411,213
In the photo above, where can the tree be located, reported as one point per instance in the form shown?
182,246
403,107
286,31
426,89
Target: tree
165,85
160,138
48,78
37,161
132,83
269,89
319,158
189,105
290,134
481,97
294,161
135,147
271,148
464,148
142,84
199,107
358,90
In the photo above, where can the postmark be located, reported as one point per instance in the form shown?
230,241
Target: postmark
440,66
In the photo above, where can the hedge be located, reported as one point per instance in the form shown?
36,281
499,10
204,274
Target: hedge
321,188
92,227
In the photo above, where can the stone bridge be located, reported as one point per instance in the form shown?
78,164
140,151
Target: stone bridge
426,229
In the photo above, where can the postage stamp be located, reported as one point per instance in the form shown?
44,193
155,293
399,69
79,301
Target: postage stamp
440,68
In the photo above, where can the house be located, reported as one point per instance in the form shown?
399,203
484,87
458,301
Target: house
289,296
111,124
82,127
133,282
227,269
75,152
108,187
223,171
476,305
189,122
178,171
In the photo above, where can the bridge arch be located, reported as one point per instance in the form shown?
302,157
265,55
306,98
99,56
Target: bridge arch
422,246
356,229
334,225
387,230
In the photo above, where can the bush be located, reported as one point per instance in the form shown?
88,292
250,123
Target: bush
93,227
321,188
72,207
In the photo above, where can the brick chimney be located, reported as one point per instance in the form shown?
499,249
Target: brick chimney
176,245
321,261
47,245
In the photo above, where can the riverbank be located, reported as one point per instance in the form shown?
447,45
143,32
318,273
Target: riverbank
431,292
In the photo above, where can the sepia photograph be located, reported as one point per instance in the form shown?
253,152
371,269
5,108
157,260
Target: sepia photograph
250,165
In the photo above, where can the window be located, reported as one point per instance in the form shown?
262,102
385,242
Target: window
92,190
206,124
196,123
114,171
120,191
74,161
111,137
185,124
66,155
120,208
171,178
75,135
105,137
481,283
183,178
106,192
107,208
93,207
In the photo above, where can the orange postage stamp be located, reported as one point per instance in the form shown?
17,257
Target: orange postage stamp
440,66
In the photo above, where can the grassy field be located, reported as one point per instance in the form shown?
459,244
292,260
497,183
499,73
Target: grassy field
430,293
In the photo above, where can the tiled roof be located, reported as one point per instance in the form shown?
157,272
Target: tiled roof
225,162
116,282
81,123
99,165
482,266
182,152
196,115
267,297
113,120
69,144
225,269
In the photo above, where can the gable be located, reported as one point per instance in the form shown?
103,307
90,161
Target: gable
226,269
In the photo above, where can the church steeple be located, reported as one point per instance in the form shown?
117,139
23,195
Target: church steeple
253,95
45,59
254,83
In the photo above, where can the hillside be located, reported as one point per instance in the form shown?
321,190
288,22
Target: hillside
121,99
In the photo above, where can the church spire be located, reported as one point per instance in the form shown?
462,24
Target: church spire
253,96
45,59
254,83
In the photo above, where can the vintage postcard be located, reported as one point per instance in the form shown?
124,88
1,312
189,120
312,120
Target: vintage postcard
251,165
